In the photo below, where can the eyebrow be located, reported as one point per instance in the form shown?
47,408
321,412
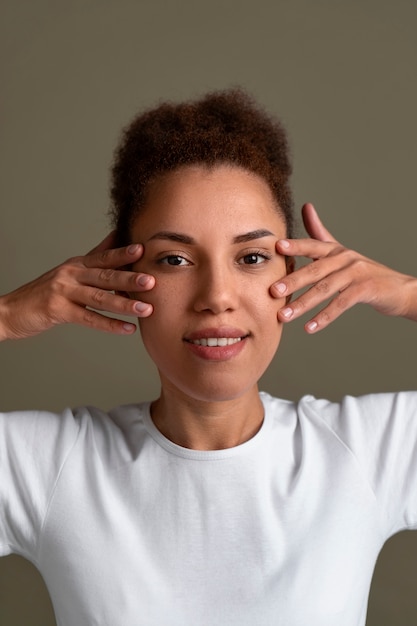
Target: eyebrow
253,234
181,238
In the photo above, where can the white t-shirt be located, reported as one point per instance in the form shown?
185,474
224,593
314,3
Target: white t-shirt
129,529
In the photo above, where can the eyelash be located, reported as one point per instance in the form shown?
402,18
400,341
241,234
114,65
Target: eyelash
165,260
256,253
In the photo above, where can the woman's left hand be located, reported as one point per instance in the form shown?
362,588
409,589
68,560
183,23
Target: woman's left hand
344,276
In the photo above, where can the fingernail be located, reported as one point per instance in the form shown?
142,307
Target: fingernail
287,313
129,328
284,243
280,288
140,307
133,248
312,326
143,280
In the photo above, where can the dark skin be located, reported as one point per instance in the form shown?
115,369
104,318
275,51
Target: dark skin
97,280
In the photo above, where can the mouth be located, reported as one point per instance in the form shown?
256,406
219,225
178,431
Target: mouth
217,344
214,342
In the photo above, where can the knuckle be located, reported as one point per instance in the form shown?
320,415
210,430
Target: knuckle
112,324
88,317
62,275
300,305
313,268
97,296
106,275
341,302
322,287
291,282
325,318
360,265
351,257
56,293
53,304
56,287
103,257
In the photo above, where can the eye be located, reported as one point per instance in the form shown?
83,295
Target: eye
174,260
254,258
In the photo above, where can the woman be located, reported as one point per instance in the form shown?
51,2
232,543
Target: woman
214,504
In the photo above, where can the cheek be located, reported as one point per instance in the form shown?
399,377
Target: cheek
266,312
164,295
167,297
263,303
167,316
156,334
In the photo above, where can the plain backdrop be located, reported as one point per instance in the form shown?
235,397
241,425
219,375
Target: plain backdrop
342,76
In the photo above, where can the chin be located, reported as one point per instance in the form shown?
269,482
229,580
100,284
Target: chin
209,389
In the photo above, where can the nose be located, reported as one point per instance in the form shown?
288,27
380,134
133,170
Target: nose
216,291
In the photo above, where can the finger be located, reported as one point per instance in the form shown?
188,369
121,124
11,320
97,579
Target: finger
328,287
310,248
339,305
112,303
312,273
92,319
114,257
313,224
117,280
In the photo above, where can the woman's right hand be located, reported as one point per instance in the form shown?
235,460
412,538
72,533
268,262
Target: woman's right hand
67,293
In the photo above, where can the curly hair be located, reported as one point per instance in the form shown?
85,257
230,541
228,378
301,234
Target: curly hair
222,127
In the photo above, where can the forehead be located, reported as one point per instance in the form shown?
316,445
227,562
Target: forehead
198,198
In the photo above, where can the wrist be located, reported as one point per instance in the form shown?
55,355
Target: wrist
410,295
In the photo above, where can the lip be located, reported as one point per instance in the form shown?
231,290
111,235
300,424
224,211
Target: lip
217,353
220,331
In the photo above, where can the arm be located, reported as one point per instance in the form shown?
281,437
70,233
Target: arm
67,293
343,275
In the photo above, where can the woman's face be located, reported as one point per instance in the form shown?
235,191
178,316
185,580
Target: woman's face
209,240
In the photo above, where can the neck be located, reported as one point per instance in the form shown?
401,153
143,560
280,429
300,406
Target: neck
207,425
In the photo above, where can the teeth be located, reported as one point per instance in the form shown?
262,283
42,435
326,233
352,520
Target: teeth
216,341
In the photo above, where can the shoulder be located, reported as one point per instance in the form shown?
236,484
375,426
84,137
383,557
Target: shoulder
373,406
367,417
36,428
367,411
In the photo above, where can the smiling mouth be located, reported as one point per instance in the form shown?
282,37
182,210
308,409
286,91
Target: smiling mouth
214,342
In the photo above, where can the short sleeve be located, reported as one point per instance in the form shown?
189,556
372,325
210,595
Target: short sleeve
33,449
380,430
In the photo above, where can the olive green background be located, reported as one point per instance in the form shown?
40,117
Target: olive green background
341,74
